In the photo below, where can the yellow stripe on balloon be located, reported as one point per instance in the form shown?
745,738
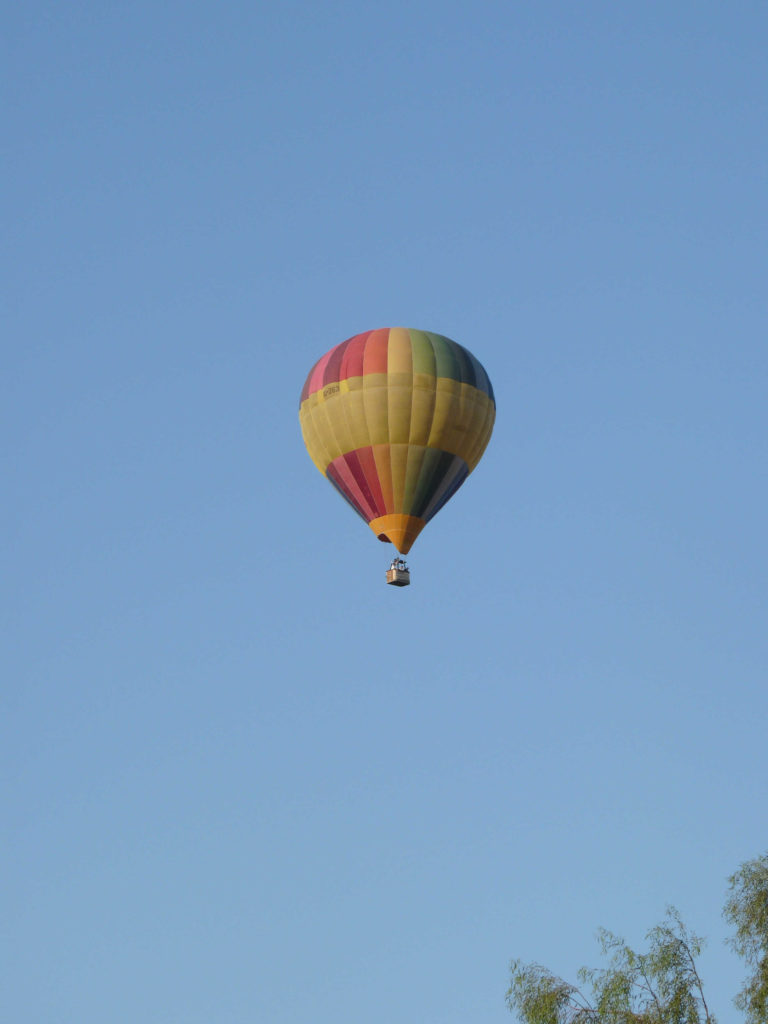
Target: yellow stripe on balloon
381,409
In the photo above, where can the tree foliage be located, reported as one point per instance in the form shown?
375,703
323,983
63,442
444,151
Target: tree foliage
660,986
747,910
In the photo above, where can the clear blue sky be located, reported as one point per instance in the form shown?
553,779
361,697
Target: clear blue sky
245,781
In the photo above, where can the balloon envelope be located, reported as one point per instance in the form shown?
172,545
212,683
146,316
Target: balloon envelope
397,419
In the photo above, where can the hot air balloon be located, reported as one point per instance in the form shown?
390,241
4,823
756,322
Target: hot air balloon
397,419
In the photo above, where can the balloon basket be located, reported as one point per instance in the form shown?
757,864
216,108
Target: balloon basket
398,574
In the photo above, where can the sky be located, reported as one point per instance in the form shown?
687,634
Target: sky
243,779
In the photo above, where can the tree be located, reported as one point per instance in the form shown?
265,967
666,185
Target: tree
747,910
661,986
